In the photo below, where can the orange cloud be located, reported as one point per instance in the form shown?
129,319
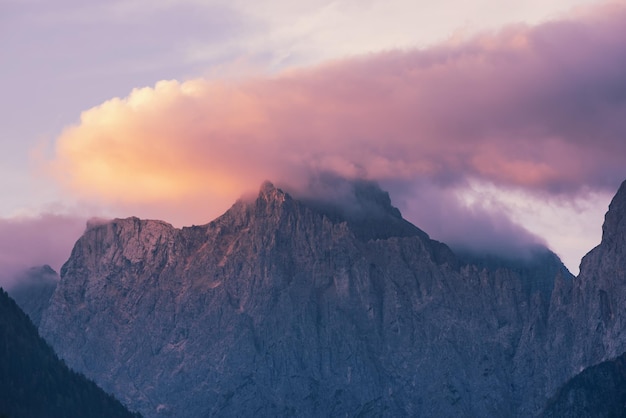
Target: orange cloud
542,108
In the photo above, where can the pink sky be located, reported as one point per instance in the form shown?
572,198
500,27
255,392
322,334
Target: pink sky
34,241
536,112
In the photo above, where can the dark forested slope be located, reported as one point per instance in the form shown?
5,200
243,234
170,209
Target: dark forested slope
35,383
598,391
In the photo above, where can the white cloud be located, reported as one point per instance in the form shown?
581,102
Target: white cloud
571,227
319,30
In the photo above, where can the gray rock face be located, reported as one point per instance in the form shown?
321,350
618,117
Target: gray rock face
587,320
285,308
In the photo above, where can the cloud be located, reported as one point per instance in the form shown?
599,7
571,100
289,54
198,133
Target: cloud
34,241
536,108
481,226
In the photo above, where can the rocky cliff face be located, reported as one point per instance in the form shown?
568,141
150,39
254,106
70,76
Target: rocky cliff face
282,308
587,321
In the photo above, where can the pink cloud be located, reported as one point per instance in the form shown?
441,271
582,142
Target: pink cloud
541,108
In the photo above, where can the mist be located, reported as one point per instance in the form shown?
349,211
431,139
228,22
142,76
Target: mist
35,241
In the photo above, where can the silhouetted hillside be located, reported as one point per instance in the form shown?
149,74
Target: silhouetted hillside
598,391
35,383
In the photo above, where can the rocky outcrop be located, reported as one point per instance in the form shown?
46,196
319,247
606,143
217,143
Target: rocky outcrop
587,323
282,307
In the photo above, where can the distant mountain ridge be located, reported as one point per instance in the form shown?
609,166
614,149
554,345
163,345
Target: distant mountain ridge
286,307
33,289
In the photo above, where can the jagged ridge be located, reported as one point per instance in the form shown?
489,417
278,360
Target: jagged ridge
284,307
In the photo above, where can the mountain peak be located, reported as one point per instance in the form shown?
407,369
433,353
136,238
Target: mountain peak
270,199
350,199
269,192
614,225
316,296
267,187
40,272
362,204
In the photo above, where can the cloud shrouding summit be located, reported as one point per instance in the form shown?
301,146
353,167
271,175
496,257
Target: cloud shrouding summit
538,108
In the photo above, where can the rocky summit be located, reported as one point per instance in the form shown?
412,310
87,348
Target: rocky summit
285,307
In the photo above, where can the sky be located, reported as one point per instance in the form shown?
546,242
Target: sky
494,125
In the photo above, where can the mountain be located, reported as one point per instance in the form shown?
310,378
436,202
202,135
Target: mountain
32,290
586,324
35,383
598,391
284,307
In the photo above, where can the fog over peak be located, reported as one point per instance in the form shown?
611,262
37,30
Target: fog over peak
352,197
440,212
475,228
